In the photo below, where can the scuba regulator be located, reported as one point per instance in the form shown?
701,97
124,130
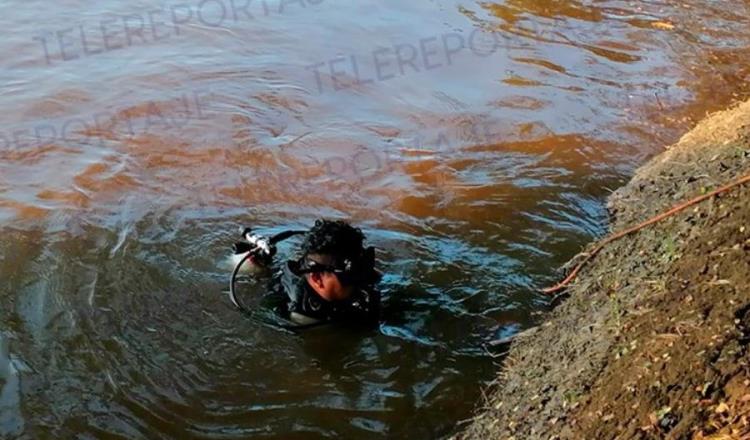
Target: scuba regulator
258,248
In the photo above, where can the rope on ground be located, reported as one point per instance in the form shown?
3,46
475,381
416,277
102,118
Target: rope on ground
562,284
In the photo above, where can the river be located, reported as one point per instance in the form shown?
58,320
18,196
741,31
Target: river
474,142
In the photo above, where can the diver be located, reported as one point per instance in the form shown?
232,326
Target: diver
333,279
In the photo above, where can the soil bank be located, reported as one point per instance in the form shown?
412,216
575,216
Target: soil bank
653,340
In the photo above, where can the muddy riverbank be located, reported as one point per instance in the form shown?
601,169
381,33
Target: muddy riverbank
652,341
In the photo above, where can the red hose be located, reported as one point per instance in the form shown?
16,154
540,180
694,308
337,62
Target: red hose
562,284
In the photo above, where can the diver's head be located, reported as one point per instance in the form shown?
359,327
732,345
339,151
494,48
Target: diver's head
328,285
333,259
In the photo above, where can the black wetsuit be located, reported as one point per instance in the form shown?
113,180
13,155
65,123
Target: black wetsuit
304,306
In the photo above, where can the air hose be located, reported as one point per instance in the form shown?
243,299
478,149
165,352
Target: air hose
268,249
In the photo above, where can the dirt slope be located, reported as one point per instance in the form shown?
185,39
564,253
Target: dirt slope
653,341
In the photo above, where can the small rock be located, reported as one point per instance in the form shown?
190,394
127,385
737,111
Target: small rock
668,422
723,408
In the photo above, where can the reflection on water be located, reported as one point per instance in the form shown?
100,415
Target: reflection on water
474,142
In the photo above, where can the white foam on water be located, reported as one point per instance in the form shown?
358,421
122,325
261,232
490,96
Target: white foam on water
11,419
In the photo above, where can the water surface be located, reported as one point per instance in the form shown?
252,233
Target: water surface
474,142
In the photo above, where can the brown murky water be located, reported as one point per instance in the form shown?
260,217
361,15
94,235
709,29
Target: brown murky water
474,141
